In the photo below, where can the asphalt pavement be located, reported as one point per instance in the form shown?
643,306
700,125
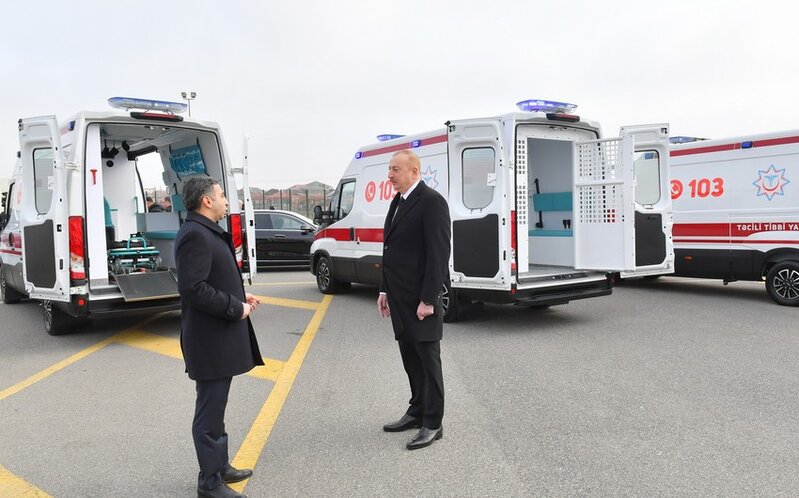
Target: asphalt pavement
667,387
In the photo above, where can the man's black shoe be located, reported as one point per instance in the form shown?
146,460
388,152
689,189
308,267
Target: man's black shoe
221,491
425,437
403,424
232,474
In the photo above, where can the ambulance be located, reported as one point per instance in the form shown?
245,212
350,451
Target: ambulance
544,209
736,210
76,234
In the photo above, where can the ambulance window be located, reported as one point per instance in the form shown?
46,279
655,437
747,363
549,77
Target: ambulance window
42,175
477,165
647,177
347,198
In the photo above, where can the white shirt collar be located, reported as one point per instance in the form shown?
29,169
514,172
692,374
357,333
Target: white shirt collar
408,192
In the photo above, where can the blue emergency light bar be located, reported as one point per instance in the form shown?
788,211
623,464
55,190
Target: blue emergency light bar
129,103
536,105
388,136
684,140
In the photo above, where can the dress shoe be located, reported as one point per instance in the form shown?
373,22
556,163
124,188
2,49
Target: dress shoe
232,474
221,491
425,437
403,424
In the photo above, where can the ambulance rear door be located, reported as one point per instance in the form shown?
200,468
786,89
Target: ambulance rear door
480,228
43,212
249,216
622,203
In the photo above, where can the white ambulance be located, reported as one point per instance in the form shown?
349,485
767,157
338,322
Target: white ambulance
76,233
736,210
544,210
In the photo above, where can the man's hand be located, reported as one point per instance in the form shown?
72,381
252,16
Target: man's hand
251,303
382,305
424,310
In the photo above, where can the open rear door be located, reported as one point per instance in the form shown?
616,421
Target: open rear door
43,213
480,229
613,231
249,217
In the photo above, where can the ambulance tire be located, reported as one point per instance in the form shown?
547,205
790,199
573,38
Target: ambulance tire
324,278
9,295
449,300
56,321
782,283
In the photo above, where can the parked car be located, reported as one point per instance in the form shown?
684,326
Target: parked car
282,238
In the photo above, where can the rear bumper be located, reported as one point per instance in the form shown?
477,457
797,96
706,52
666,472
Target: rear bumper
545,295
118,307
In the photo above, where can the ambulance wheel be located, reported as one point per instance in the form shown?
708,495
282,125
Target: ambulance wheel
782,283
56,321
449,301
9,295
324,278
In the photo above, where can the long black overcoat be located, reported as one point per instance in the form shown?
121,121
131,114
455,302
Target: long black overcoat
416,247
216,342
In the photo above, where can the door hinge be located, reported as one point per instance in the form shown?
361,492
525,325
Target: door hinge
71,165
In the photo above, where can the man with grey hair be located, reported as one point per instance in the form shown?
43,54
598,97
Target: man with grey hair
416,246
216,334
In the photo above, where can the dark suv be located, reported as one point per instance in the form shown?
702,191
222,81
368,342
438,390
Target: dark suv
282,238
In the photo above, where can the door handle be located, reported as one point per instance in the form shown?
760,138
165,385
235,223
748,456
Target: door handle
280,236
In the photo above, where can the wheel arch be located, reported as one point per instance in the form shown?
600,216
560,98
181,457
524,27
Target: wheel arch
778,255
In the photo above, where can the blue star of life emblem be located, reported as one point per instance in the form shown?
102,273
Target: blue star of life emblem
771,182
429,177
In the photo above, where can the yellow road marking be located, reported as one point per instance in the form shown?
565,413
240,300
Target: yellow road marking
168,346
33,379
11,485
311,282
290,303
253,445
153,343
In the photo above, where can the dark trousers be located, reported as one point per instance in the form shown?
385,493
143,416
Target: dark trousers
422,362
208,429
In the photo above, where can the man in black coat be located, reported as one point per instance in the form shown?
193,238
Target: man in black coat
416,238
216,334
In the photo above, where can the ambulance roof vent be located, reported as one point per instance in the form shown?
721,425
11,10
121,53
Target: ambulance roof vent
684,140
129,103
388,136
549,106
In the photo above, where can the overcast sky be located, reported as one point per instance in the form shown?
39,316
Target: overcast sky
311,81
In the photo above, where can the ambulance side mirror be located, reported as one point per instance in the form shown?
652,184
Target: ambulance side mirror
317,215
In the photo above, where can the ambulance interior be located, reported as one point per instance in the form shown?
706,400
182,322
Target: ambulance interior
135,245
549,186
550,239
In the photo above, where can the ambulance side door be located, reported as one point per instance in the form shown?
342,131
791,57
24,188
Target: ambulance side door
480,238
620,226
43,210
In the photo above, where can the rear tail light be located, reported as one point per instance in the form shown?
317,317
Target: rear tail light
235,231
513,242
77,269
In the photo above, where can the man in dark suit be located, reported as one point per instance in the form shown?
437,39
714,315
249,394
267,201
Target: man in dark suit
216,334
416,238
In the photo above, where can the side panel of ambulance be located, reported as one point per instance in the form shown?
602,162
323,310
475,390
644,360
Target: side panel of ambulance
736,211
12,287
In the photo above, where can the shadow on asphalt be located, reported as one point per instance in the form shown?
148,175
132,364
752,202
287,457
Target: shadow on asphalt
743,291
